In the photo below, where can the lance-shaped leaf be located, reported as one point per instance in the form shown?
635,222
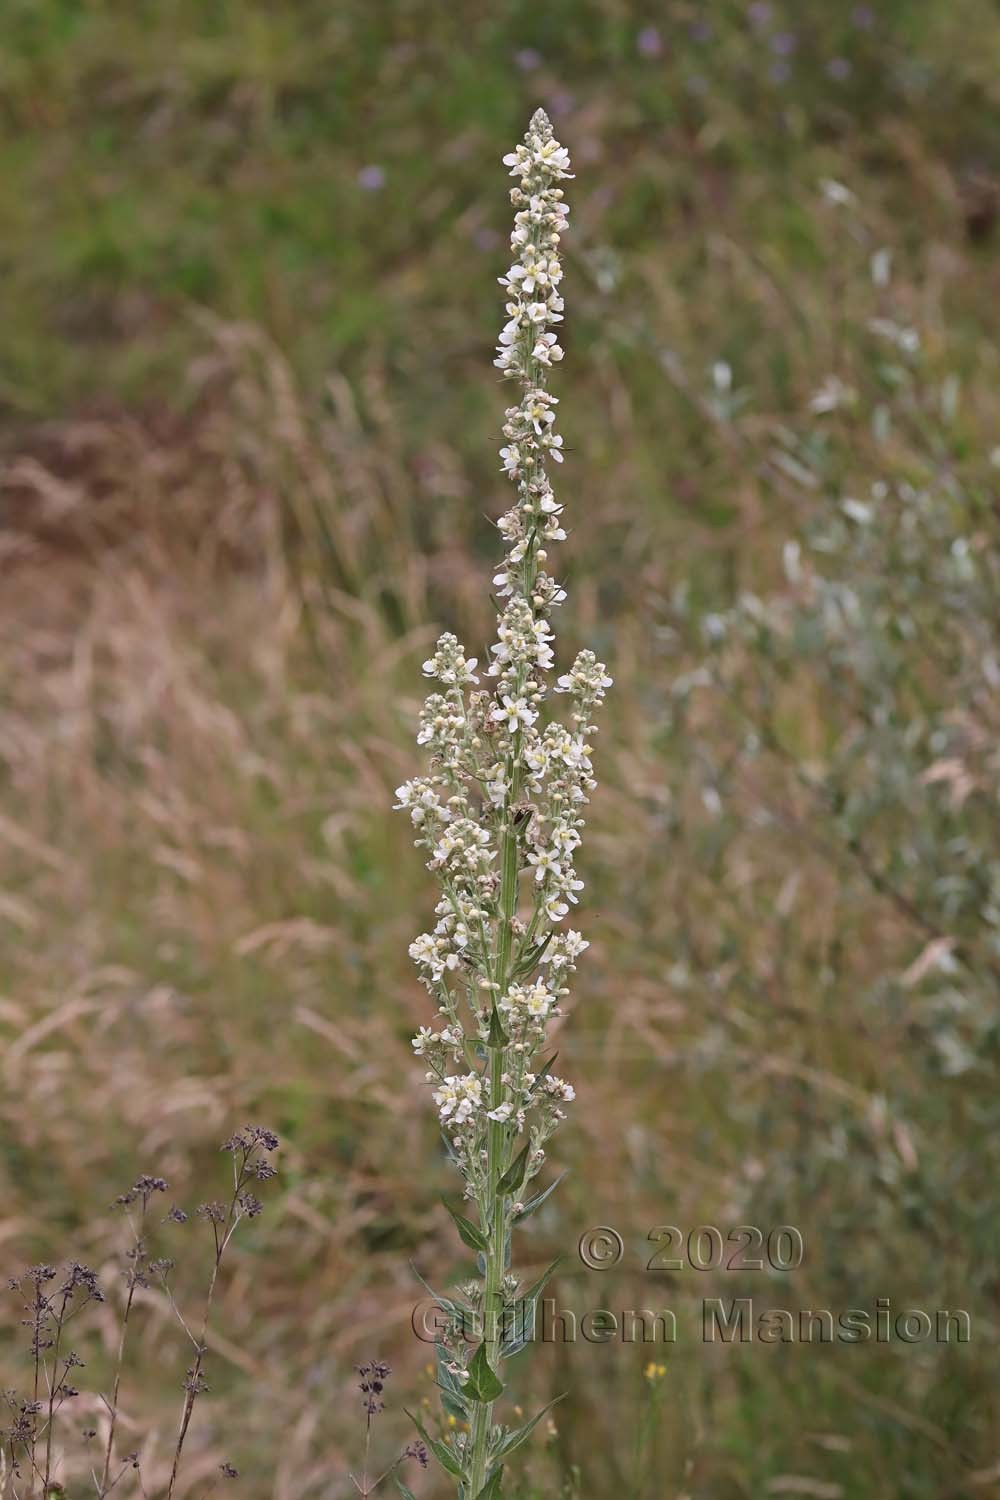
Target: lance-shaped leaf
451,1388
441,1451
538,1200
498,1037
468,1232
531,959
454,1307
491,1489
483,1383
523,1309
514,1439
514,1175
449,1149
404,1489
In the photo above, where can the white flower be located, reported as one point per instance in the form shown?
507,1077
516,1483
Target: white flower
559,1089
449,663
553,156
546,863
501,1113
536,758
565,839
567,885
458,1098
547,349
423,950
512,999
538,1002
496,786
514,712
588,678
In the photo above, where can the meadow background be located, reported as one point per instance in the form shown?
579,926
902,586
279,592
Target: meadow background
249,431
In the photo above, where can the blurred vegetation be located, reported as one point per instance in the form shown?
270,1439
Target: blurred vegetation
249,425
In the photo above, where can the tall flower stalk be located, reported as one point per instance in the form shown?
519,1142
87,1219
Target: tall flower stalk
500,814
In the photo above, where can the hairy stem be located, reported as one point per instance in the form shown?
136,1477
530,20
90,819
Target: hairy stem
494,1221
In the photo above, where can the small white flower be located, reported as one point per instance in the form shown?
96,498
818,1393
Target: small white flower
565,839
536,758
514,712
458,1098
547,349
496,788
559,1089
568,885
538,1002
546,862
423,950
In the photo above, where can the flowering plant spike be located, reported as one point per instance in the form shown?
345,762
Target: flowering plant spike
500,814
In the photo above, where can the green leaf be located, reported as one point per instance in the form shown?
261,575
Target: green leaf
514,1175
449,1149
524,1309
539,1199
514,1440
483,1382
452,1392
468,1232
441,1451
537,1287
531,959
404,1489
491,1489
498,1037
454,1309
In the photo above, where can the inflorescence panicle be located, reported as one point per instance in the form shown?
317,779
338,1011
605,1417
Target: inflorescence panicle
500,811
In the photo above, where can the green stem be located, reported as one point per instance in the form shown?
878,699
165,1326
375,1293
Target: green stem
495,1215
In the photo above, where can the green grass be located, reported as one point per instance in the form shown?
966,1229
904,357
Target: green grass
251,427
